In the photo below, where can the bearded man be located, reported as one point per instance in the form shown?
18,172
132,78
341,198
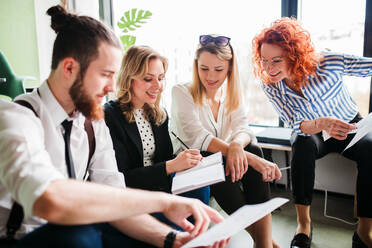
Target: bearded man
57,139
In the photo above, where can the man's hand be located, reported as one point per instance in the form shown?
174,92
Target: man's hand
179,208
184,237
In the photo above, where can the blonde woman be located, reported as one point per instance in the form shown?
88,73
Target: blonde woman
139,126
208,114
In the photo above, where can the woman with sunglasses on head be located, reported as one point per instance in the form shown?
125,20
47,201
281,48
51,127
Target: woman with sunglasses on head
308,92
139,127
208,114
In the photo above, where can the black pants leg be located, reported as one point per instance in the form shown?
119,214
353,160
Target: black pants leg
306,149
249,190
361,152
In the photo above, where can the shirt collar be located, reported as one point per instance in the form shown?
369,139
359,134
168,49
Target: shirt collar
55,110
286,90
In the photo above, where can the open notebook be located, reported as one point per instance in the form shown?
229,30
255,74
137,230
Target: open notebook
208,171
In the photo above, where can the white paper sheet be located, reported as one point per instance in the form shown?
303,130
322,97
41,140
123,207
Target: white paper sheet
364,126
239,220
209,171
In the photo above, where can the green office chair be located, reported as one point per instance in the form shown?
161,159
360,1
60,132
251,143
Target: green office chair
10,85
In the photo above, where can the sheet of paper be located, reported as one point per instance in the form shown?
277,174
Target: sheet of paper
209,171
239,220
364,126
325,135
197,179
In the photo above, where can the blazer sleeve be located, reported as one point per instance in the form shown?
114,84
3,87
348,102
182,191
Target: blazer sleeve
129,158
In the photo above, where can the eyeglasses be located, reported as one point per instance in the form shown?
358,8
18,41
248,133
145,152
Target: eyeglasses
220,41
274,62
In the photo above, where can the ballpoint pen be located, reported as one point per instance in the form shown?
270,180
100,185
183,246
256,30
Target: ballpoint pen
180,140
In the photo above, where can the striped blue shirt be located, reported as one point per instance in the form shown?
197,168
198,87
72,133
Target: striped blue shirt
324,95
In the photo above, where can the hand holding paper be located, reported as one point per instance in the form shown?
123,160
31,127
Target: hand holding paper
239,220
364,126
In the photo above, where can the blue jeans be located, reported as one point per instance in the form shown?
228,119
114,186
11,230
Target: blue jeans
83,236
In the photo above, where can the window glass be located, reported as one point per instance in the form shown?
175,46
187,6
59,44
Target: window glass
339,29
174,28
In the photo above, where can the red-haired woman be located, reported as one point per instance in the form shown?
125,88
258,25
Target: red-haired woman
308,92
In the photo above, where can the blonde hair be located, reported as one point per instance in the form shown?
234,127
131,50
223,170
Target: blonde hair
134,65
233,89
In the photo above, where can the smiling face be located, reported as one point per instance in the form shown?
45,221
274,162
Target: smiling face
149,87
88,92
274,63
212,71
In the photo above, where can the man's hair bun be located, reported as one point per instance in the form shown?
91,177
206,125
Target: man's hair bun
60,18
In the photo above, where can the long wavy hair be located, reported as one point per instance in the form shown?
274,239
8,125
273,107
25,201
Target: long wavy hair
135,65
298,50
233,87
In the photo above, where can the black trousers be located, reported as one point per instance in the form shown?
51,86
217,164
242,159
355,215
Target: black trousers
306,149
249,190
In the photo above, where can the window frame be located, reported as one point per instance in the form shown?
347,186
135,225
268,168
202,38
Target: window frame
289,8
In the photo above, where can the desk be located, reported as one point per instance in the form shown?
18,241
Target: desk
275,138
274,146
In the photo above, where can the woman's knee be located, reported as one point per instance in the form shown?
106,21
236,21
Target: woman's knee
304,148
364,154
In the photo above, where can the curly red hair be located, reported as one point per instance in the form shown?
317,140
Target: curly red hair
296,44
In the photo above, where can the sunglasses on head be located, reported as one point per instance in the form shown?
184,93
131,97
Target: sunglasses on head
220,41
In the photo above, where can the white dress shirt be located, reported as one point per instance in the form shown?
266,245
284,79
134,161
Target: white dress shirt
195,124
32,153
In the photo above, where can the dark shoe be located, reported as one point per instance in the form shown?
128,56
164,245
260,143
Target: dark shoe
357,242
301,240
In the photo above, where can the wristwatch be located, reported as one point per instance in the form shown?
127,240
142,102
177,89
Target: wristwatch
169,239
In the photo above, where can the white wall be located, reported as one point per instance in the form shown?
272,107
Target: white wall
46,35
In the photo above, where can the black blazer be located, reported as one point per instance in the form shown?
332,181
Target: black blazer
129,154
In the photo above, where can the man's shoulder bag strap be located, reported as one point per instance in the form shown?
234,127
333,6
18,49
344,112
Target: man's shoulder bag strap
16,213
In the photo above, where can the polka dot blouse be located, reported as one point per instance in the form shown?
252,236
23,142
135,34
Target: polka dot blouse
147,137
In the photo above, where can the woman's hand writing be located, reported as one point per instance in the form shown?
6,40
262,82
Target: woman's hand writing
184,160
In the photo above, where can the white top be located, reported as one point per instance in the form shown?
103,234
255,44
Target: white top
195,124
147,137
32,153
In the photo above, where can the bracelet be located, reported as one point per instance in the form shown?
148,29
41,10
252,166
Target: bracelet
169,239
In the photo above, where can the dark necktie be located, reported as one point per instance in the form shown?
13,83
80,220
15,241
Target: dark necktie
67,125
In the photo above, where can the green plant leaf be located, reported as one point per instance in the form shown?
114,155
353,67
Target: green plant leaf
131,20
127,41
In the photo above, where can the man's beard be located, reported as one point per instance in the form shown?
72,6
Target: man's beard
84,103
